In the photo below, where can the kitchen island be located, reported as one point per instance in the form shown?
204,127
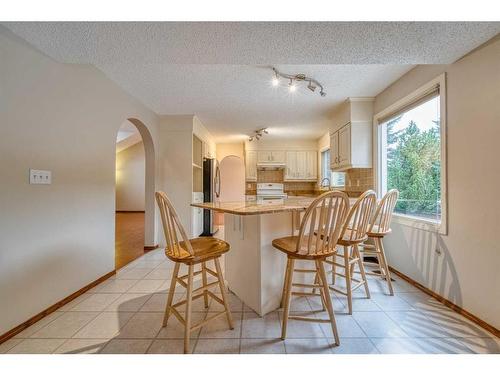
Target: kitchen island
254,270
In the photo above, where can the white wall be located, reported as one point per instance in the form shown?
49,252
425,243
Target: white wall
284,144
176,161
467,271
130,175
227,149
55,239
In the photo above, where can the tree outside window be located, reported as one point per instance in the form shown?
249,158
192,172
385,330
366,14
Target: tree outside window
413,159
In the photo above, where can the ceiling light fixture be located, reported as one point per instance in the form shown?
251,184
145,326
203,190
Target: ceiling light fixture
275,81
258,134
293,78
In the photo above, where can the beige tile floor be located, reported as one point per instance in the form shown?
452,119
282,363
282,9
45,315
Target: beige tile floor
124,315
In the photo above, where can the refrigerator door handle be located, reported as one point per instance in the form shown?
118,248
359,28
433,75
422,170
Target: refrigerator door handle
217,181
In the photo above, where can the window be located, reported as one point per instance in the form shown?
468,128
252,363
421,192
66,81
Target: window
412,157
337,179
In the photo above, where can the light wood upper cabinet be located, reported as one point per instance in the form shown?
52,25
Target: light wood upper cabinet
270,156
291,165
278,156
334,149
264,156
251,165
344,157
350,147
301,165
312,165
351,141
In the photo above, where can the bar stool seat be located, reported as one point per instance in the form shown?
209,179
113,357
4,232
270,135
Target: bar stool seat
375,232
347,240
288,245
204,248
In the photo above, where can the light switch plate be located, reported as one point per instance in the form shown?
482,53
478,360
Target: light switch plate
38,176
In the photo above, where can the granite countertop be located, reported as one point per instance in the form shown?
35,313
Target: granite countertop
253,208
292,204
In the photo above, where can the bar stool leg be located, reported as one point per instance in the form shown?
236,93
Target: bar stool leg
285,283
385,265
348,278
222,287
187,328
171,292
334,268
204,279
288,292
328,301
362,270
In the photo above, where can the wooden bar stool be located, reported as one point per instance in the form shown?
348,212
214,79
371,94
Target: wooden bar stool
353,234
319,230
191,252
379,227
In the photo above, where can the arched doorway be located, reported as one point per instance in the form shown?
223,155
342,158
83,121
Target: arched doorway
134,192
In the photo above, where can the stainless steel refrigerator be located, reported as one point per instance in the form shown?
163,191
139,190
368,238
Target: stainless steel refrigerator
211,193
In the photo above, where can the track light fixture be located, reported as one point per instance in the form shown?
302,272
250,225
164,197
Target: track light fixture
258,134
312,83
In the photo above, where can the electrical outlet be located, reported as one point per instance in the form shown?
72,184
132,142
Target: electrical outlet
38,176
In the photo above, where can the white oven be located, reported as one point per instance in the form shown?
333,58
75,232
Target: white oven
270,193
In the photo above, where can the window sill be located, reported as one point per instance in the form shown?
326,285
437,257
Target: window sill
418,223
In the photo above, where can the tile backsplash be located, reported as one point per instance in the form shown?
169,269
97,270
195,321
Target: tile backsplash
278,176
270,175
358,180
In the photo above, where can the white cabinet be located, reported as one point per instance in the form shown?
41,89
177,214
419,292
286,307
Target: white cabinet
197,216
264,156
251,165
271,157
301,165
350,147
291,165
344,157
278,156
312,165
351,142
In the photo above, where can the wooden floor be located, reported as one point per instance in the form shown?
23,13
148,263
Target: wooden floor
129,232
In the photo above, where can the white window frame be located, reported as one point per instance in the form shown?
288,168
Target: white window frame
321,150
381,181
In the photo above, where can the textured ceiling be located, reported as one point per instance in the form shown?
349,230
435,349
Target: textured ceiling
219,71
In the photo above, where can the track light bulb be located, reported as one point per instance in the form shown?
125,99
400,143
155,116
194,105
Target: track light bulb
311,87
275,81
